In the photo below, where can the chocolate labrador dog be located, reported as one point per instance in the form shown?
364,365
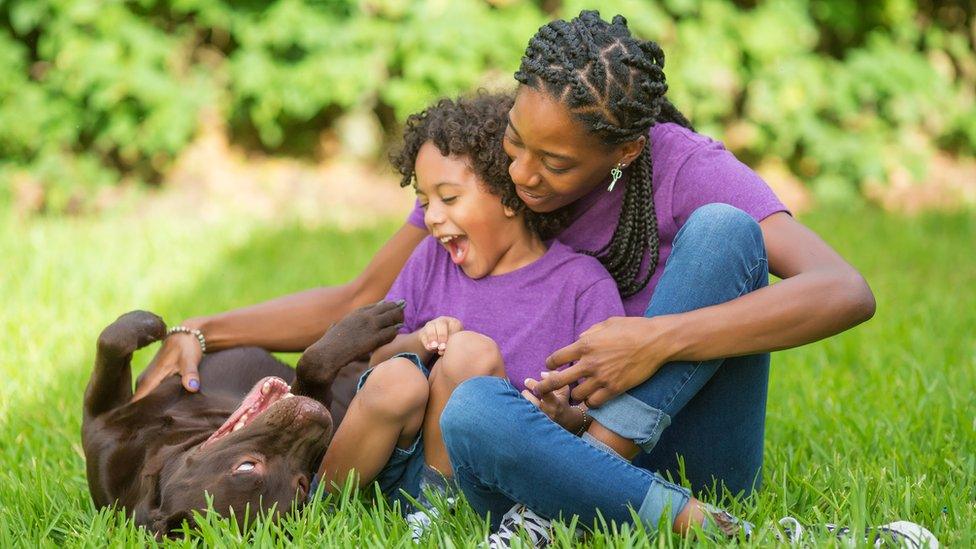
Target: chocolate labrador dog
251,438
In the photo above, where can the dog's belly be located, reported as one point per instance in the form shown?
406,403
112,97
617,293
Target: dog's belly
235,371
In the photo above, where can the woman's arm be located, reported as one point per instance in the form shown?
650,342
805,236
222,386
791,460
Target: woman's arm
820,295
289,323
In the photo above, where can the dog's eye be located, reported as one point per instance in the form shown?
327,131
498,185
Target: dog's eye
246,466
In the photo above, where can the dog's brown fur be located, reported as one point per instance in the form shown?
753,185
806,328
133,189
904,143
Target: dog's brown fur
147,455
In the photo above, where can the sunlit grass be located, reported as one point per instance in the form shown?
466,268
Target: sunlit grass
874,425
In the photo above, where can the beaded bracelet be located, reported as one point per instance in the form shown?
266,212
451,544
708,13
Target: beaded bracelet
586,420
193,332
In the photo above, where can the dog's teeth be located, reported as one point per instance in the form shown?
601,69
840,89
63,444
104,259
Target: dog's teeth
266,388
288,395
239,425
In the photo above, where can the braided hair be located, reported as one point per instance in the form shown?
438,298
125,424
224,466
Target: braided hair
472,127
614,85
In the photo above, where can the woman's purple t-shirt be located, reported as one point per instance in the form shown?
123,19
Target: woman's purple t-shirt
529,312
690,170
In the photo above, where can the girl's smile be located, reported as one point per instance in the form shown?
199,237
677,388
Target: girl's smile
482,236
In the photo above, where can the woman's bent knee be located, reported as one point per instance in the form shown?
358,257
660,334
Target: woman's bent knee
395,388
722,221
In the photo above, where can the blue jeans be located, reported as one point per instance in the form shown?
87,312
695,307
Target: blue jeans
711,414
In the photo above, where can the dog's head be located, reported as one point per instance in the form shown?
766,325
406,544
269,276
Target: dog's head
264,455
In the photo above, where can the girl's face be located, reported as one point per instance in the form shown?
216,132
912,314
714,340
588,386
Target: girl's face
555,161
483,236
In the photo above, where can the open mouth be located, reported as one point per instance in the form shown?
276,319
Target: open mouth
265,392
457,245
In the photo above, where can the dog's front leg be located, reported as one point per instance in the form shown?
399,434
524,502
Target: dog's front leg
353,338
111,381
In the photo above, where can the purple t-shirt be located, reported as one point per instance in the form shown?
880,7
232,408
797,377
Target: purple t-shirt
690,170
529,312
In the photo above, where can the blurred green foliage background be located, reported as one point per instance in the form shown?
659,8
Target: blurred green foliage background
97,93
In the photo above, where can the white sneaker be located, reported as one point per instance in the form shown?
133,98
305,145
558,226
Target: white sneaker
420,521
521,518
901,533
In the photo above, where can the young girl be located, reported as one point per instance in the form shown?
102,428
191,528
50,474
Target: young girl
481,293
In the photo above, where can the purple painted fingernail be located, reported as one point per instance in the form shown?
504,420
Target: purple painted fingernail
194,384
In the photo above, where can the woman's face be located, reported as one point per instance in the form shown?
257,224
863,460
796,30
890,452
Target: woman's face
555,161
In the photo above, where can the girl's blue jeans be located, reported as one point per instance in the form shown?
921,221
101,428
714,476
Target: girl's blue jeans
709,415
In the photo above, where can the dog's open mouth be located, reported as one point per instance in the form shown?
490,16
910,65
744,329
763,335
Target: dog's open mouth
265,392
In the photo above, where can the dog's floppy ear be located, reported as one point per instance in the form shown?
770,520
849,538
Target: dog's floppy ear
148,513
167,525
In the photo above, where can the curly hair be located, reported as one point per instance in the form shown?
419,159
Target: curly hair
614,85
472,128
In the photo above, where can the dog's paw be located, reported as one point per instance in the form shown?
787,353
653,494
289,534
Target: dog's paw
131,331
354,337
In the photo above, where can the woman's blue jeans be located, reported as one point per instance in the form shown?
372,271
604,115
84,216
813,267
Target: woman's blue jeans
710,415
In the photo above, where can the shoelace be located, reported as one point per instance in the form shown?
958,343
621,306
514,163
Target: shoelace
521,517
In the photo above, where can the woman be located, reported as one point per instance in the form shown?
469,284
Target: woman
687,233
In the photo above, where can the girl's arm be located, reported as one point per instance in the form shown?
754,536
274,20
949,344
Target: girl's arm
403,343
820,295
289,323
431,338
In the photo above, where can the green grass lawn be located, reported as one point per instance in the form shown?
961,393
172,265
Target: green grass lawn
870,426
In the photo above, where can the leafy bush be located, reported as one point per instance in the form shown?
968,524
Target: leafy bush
94,92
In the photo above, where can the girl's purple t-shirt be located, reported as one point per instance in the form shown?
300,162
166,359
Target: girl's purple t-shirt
529,312
690,170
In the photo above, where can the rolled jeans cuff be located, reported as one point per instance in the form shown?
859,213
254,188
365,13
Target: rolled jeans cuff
618,416
662,499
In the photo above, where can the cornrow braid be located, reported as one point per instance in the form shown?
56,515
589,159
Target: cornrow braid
614,85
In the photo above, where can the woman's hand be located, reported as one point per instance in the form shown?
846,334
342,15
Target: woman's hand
434,334
614,356
179,355
555,404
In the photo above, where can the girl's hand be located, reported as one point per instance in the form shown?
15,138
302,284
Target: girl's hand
614,355
180,355
434,334
555,404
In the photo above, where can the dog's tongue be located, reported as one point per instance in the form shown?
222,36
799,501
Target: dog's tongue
265,392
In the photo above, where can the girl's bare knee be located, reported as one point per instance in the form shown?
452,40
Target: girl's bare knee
395,389
470,354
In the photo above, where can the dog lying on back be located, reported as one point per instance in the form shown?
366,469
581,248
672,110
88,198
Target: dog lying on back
251,438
